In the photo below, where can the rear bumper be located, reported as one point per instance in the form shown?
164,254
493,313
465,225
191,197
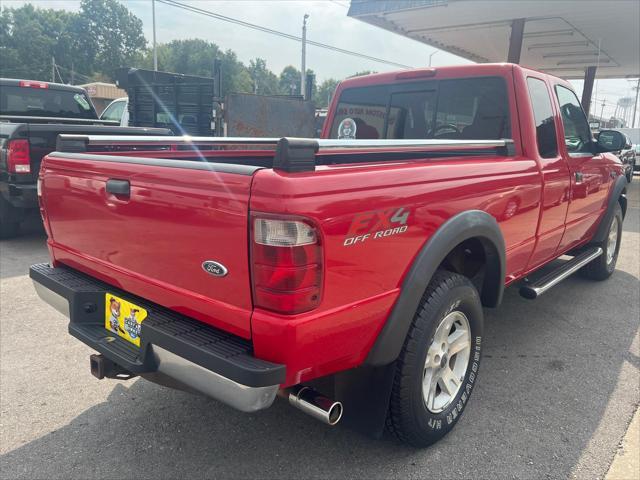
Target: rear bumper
193,354
20,195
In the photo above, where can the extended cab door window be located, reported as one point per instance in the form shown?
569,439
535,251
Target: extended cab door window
577,135
543,113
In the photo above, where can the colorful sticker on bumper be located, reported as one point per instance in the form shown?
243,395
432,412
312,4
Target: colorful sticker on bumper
124,318
377,224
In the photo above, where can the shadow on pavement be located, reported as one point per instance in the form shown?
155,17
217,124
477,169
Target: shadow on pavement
549,369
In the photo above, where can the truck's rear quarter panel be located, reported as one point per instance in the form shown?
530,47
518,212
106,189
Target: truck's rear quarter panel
154,243
362,280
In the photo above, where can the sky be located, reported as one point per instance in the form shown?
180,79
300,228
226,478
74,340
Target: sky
328,23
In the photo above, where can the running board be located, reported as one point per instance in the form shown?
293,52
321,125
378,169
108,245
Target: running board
534,289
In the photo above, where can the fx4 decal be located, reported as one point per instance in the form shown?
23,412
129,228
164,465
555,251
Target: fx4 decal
377,224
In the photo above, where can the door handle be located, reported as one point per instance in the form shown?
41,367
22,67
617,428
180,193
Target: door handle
579,177
119,187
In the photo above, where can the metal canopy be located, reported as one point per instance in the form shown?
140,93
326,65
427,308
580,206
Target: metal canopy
560,37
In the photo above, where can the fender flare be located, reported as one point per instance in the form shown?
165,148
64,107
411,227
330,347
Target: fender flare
617,192
461,227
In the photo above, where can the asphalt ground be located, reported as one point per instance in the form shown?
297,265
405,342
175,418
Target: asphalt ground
558,386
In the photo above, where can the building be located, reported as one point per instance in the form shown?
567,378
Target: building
102,94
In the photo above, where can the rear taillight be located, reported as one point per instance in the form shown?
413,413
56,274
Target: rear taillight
286,264
18,160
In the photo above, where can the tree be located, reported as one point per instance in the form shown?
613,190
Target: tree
113,34
289,81
264,80
189,57
325,91
30,37
104,35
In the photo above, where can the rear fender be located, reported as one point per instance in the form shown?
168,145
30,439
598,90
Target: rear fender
464,226
618,194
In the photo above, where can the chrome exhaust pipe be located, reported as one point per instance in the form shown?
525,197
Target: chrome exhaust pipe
315,404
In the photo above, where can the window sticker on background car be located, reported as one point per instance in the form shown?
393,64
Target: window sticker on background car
347,129
82,101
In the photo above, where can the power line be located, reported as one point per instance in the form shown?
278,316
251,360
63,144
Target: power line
260,28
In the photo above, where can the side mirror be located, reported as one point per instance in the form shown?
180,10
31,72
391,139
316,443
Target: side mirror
612,141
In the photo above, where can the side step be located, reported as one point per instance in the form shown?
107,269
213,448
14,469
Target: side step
534,289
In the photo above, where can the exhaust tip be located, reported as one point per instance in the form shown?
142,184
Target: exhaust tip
317,405
335,413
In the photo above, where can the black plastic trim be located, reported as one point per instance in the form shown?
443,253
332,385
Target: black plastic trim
211,348
617,192
295,155
464,226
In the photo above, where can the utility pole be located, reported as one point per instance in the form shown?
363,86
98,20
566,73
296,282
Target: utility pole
432,56
635,105
53,69
155,47
602,109
73,75
303,70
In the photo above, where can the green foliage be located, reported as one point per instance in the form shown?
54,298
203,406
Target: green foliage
264,80
113,34
103,35
325,91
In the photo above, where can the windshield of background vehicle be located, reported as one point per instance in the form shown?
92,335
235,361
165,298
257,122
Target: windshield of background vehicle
469,109
45,102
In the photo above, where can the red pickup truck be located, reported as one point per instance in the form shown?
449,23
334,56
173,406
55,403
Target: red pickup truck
347,273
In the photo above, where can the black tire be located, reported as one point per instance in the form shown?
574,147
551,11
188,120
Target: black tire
602,267
408,418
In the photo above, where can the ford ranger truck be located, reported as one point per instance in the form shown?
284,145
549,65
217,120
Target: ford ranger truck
348,273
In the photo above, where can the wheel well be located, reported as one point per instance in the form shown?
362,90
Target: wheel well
622,200
476,259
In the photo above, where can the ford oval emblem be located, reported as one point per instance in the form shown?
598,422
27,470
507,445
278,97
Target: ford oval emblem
214,268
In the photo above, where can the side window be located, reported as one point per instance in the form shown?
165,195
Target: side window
577,135
113,111
543,114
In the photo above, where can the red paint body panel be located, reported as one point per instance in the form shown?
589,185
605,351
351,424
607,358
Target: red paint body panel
154,244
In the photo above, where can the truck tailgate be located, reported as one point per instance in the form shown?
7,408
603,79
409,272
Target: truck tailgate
153,242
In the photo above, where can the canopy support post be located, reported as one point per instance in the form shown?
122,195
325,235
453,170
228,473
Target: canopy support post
587,89
515,40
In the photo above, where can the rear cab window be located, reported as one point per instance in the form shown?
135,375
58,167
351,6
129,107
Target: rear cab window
466,109
45,102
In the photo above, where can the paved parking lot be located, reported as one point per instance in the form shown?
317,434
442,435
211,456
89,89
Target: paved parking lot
558,386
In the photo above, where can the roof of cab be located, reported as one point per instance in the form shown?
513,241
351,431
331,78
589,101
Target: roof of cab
15,82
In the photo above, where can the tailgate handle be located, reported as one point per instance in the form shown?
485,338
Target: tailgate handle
119,187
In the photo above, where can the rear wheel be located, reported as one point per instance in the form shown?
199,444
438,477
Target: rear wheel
438,365
602,267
